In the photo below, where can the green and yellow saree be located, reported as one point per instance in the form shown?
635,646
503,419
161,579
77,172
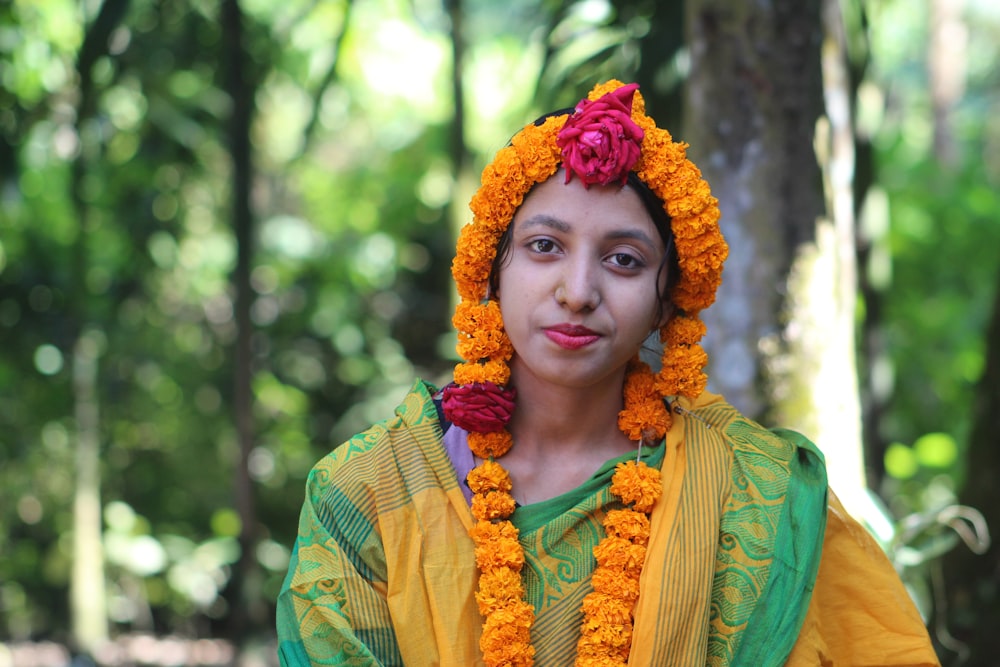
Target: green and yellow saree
383,571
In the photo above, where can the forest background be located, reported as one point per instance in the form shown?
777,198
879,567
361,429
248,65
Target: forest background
225,239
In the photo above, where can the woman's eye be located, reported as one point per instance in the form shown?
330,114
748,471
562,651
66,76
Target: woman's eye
625,260
542,245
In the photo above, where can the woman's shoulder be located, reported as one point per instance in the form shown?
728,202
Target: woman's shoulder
754,464
414,423
712,419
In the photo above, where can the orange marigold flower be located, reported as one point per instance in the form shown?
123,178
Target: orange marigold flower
506,172
537,150
607,609
699,248
486,344
490,445
497,588
471,316
684,362
474,256
489,207
493,505
592,661
499,553
609,552
703,264
506,636
692,298
480,332
682,374
638,382
687,204
683,331
487,531
621,555
517,616
496,371
510,622
645,417
470,289
601,89
647,421
613,640
489,476
637,484
615,583
628,524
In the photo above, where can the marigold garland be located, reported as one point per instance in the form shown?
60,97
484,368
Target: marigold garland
532,157
606,635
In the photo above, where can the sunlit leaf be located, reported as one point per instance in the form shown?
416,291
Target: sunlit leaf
900,461
936,450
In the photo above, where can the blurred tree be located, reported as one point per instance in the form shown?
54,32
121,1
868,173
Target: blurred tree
781,336
127,150
932,269
240,85
89,280
87,582
970,601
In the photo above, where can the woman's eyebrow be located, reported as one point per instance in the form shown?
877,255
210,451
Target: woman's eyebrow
634,234
545,220
560,225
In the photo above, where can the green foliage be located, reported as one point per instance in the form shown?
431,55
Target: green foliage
114,224
114,182
939,231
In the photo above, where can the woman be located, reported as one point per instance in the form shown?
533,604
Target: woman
619,514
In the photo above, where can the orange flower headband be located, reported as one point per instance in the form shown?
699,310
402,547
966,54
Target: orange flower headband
607,136
533,156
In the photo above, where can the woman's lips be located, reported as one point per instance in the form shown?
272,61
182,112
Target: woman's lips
571,336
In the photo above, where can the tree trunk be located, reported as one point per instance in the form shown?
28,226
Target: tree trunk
464,176
88,607
780,338
87,589
946,64
245,605
972,582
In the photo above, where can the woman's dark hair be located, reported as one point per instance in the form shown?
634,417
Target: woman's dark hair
669,265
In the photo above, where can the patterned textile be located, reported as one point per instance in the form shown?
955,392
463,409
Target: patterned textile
383,570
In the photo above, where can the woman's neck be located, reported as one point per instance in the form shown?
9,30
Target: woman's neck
562,435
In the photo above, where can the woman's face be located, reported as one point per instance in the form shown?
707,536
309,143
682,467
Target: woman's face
578,289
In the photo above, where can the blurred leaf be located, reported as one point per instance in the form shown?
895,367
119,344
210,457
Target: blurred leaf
900,461
936,450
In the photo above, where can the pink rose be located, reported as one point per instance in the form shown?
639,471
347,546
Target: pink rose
481,407
600,142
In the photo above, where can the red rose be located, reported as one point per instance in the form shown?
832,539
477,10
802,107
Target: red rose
480,407
600,142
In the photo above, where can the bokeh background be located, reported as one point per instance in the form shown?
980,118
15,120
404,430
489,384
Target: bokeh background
225,235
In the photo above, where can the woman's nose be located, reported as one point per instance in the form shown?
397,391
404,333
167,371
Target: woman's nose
578,289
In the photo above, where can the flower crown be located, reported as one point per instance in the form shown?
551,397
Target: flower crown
607,136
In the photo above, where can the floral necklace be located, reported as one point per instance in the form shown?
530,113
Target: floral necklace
607,136
606,633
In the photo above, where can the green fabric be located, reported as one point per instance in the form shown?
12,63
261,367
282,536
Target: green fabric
383,571
361,499
774,626
338,570
537,515
770,537
558,536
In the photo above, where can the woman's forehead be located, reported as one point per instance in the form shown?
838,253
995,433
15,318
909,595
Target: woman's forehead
562,206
